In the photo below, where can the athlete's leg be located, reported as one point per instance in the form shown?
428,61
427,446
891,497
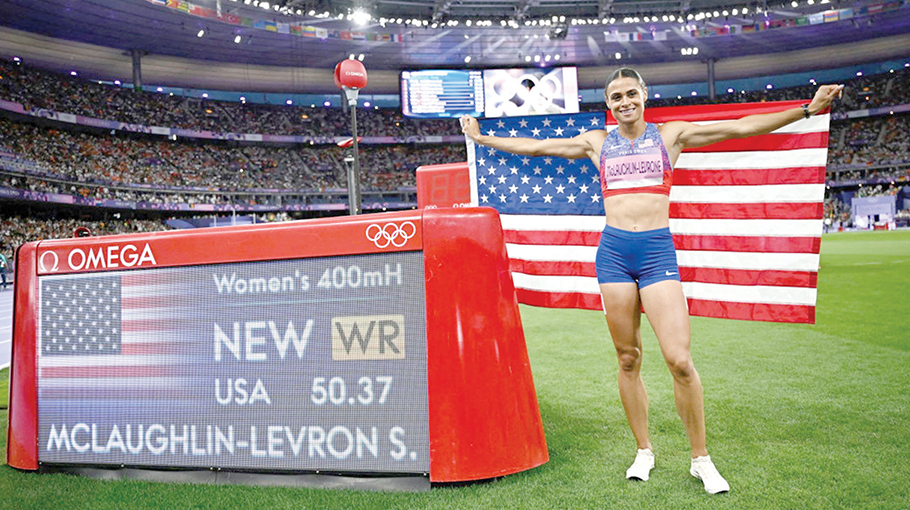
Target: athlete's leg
665,305
623,310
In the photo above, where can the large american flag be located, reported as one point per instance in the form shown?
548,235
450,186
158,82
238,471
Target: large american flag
746,215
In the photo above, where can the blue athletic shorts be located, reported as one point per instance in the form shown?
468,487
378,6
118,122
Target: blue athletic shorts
639,257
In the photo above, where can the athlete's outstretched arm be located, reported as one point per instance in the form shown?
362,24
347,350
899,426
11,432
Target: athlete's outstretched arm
687,135
577,147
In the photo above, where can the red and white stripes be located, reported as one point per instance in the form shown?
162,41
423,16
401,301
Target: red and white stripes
746,216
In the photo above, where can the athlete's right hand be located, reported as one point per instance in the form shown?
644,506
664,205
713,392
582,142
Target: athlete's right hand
470,127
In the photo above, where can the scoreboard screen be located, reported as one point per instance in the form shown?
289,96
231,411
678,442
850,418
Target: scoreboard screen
307,364
441,93
515,92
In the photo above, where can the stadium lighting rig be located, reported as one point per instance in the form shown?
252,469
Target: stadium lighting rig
442,17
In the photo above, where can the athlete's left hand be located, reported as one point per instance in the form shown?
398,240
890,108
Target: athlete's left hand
824,96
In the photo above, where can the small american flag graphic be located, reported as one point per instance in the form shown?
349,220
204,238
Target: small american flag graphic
81,318
114,336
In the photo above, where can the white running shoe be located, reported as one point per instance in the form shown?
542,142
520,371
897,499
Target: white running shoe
704,470
641,468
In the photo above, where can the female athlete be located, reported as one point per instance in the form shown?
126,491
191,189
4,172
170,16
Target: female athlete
636,260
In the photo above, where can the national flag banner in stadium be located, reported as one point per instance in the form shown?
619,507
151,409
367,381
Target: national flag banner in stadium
746,214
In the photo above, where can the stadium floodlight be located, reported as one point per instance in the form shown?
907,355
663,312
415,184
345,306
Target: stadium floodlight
361,17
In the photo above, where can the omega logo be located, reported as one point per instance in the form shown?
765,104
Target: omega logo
102,257
42,262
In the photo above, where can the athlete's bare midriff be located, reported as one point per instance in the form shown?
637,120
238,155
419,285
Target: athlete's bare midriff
638,211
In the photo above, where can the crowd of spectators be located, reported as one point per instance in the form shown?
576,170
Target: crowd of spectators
836,212
878,190
36,88
869,142
143,159
16,230
897,173
98,165
860,93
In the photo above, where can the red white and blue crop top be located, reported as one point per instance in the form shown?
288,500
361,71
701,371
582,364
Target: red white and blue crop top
635,166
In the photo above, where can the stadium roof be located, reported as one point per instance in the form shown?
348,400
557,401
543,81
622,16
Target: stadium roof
667,35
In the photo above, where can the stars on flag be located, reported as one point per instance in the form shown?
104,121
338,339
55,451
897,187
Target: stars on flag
80,316
531,185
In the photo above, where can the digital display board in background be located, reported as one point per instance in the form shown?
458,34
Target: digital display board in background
304,364
441,93
515,92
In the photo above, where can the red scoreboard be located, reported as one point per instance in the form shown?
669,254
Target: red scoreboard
375,345
446,185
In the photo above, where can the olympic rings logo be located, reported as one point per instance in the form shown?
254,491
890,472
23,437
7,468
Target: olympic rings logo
391,234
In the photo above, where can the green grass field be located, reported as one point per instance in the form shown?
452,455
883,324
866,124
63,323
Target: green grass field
799,416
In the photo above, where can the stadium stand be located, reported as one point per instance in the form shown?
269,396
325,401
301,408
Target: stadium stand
42,157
